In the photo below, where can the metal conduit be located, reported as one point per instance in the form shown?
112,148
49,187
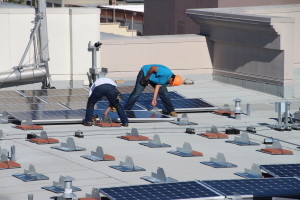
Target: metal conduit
23,74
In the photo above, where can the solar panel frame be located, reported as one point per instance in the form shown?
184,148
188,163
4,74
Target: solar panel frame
256,188
50,117
166,191
282,170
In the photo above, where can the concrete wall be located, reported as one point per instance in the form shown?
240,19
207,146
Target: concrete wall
184,54
69,32
168,17
254,47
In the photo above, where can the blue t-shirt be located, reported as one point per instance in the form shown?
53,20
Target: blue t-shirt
160,77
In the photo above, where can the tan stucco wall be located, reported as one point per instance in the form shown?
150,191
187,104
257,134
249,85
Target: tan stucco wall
184,54
254,47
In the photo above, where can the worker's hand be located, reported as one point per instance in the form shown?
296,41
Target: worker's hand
144,82
104,114
153,103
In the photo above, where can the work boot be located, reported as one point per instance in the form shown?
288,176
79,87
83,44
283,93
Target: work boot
87,124
173,114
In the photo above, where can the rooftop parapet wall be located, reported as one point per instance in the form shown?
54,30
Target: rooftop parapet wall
253,50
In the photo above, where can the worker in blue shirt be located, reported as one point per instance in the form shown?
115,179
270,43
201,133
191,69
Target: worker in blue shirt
158,76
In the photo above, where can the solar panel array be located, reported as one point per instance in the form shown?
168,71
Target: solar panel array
282,170
257,188
209,189
179,190
68,105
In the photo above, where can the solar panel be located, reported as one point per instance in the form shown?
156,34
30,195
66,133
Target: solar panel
282,170
49,117
165,191
137,116
64,99
181,105
10,94
257,188
129,89
148,96
33,106
21,100
56,92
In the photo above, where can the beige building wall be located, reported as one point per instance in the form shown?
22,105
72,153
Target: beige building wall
254,47
184,54
69,32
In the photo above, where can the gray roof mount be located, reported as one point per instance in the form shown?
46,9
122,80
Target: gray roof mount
275,145
282,107
185,151
5,152
44,135
219,162
134,132
155,142
213,129
28,121
1,134
95,194
159,177
3,158
59,187
243,140
31,175
106,119
127,166
254,172
98,155
68,146
3,118
183,121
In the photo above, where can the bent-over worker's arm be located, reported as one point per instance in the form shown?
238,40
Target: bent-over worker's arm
156,90
107,110
151,71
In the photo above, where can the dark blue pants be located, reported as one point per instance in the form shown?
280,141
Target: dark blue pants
110,92
138,89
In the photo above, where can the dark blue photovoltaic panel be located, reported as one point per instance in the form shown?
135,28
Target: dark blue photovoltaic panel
165,191
100,105
48,115
257,188
282,170
103,105
178,104
149,96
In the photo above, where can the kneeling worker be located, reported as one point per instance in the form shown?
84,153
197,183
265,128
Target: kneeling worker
100,88
158,76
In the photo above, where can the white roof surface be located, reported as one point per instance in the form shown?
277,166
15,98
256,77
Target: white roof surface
88,174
